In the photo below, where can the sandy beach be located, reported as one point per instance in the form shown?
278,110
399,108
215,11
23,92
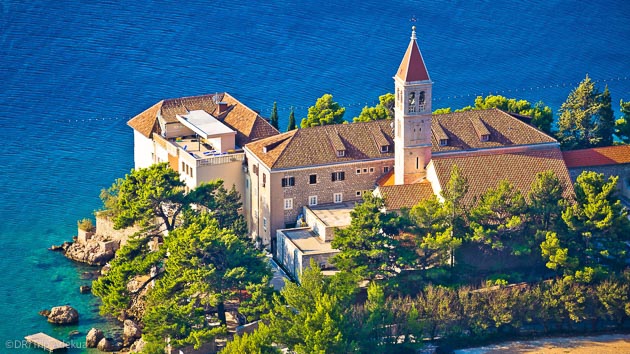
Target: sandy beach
604,344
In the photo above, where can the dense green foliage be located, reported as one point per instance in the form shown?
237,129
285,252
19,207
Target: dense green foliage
258,342
291,125
312,317
273,119
202,263
622,125
383,110
368,246
325,111
586,118
206,267
145,194
541,115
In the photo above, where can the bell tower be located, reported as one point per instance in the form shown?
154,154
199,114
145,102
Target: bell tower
412,116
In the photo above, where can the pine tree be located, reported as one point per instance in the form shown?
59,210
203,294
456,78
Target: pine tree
324,112
273,119
598,221
622,125
291,125
368,246
606,124
383,110
581,124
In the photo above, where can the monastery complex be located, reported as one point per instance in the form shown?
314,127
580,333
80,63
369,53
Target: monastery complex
300,185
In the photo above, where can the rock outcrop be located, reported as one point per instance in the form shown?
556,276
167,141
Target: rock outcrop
108,345
63,315
93,337
93,252
85,289
137,346
131,332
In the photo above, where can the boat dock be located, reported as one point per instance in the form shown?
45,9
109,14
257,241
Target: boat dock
44,341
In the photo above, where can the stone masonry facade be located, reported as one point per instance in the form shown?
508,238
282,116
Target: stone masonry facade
358,177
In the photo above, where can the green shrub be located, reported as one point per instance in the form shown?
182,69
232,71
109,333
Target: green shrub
86,225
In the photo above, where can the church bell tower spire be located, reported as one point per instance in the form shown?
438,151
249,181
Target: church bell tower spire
412,116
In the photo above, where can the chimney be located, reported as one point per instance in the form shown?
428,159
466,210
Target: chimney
222,107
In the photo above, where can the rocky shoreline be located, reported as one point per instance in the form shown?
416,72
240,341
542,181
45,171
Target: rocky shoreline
96,247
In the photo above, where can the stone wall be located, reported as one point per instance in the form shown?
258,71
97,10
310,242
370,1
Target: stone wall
105,229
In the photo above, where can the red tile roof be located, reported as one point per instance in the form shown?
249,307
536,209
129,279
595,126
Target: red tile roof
312,146
248,124
412,67
610,155
463,130
485,171
405,195
318,145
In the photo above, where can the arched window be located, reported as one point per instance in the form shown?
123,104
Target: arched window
411,107
421,101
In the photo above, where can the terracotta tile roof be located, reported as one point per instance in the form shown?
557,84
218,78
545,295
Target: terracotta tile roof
406,195
504,129
317,145
310,146
610,155
412,67
485,171
144,122
248,124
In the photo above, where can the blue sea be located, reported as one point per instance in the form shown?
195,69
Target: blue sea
73,72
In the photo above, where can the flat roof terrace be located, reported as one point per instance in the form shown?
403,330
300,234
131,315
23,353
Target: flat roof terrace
307,241
199,149
334,215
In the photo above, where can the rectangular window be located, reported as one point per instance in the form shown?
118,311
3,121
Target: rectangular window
288,182
485,137
312,179
358,171
191,172
338,176
341,153
255,169
385,169
338,197
384,148
288,204
312,200
264,181
365,170
264,224
371,169
359,193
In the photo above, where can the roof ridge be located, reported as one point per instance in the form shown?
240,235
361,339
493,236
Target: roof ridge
529,126
290,140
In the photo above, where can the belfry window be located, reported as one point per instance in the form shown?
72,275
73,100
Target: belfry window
421,101
411,107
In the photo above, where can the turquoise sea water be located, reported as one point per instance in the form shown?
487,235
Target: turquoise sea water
73,72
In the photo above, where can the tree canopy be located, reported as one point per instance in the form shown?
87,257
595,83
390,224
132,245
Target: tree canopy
368,246
586,118
541,115
273,119
145,194
325,111
383,110
206,266
622,125
291,124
